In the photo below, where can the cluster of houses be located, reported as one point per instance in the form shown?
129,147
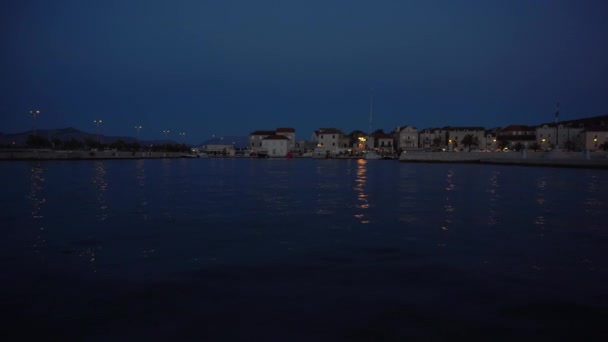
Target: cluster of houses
282,142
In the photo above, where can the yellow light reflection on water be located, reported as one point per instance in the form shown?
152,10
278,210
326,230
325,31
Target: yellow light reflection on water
361,194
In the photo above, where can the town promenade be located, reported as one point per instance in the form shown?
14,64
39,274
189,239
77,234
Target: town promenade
47,154
584,159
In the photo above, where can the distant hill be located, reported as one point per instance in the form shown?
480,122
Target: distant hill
65,134
237,141
601,120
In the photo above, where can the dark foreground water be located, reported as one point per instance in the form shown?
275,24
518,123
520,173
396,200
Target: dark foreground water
302,250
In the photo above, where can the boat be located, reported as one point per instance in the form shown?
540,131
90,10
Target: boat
372,155
319,153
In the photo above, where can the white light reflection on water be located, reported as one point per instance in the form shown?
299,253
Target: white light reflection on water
328,197
37,200
362,201
593,205
167,189
140,176
101,183
494,198
275,193
408,189
541,188
448,207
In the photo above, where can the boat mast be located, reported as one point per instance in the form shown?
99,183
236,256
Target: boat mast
371,112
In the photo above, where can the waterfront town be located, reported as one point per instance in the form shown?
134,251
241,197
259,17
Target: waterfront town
587,135
584,134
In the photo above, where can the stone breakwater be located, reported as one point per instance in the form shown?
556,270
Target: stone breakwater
76,155
525,158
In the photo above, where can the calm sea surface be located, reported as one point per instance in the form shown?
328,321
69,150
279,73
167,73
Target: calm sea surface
302,250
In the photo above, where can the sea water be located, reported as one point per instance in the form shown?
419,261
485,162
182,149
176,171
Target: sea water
302,249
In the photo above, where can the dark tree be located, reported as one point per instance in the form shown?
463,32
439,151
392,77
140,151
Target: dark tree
502,144
437,143
90,142
56,143
37,141
518,146
118,145
73,144
535,146
570,145
470,140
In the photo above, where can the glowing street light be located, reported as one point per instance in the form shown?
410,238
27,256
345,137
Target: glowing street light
166,132
97,123
138,128
35,114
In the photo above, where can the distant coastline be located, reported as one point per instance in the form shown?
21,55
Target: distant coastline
48,154
594,160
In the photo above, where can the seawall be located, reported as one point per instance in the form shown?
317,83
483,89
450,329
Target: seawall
527,158
41,154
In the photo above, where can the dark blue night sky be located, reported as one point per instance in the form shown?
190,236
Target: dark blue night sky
231,67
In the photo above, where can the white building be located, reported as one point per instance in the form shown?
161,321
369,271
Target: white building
594,138
560,135
427,138
407,138
330,139
256,138
288,132
513,135
276,145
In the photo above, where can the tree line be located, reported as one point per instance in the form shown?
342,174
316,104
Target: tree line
37,141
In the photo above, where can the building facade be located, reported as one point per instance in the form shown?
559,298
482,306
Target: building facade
331,139
433,138
595,138
276,145
513,135
456,136
256,138
407,138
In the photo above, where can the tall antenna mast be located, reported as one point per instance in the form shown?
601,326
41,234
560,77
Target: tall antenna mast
371,111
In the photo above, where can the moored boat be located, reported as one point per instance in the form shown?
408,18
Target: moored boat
319,153
372,155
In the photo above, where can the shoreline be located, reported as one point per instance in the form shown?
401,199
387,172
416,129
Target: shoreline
82,155
592,160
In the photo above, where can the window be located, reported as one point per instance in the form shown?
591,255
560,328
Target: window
333,144
252,144
333,136
321,137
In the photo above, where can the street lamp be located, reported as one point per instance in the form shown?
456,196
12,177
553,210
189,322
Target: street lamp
166,132
181,137
97,123
35,114
138,128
